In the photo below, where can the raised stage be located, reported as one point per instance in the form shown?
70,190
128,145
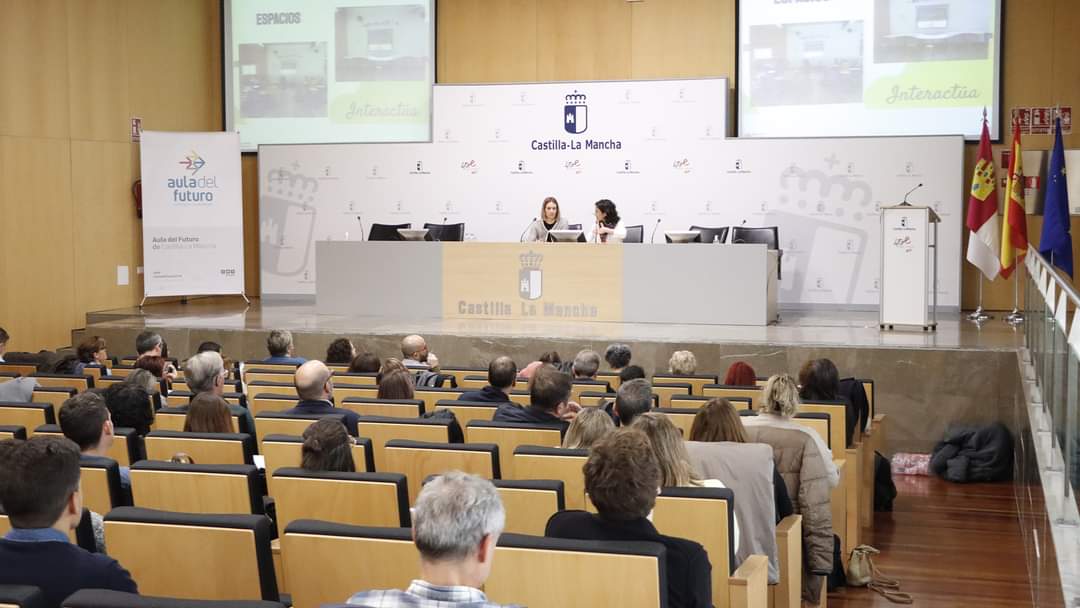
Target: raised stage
923,380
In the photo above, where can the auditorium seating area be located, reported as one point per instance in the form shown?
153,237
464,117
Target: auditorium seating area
245,511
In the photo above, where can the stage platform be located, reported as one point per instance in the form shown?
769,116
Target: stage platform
924,381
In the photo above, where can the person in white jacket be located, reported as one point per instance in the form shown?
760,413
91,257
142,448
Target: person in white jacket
550,219
609,228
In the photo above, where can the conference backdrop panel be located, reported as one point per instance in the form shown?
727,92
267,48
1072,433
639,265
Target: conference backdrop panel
656,148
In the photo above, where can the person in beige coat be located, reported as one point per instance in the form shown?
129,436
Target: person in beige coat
808,474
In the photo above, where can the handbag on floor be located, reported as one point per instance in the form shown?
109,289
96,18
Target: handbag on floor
863,573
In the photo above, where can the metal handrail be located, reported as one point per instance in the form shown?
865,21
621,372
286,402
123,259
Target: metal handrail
1059,277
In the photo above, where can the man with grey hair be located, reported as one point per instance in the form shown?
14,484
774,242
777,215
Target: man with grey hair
316,391
205,373
456,522
280,345
617,356
148,344
633,399
586,364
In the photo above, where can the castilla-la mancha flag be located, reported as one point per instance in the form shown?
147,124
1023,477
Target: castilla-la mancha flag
1014,229
984,240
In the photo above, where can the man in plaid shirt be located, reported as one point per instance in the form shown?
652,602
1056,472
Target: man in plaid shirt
456,523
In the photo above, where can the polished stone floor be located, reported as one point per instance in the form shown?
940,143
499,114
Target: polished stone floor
803,328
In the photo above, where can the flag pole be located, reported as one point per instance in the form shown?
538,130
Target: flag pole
1016,317
979,315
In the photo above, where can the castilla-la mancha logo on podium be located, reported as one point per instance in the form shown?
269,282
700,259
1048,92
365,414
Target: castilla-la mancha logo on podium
531,277
575,114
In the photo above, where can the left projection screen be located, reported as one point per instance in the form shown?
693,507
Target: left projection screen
328,71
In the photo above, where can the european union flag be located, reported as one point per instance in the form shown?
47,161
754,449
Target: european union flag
1055,244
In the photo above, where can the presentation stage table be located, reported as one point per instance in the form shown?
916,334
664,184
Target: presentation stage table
634,283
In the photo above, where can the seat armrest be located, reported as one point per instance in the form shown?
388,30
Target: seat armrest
748,586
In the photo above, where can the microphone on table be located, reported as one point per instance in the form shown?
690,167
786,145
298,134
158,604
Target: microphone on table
909,194
653,236
360,219
521,239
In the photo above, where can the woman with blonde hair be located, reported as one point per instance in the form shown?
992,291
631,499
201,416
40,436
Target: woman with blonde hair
682,363
590,425
550,219
779,404
675,469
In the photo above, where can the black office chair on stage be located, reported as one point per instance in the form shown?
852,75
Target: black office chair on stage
768,235
446,232
708,235
635,234
386,232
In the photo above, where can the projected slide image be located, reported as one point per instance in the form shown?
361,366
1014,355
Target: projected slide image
806,63
376,43
283,80
932,30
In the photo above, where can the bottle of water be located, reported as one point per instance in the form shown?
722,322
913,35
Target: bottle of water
716,238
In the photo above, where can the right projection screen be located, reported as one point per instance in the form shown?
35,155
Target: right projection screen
822,68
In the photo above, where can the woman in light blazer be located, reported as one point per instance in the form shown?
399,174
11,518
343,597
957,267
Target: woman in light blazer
550,219
609,228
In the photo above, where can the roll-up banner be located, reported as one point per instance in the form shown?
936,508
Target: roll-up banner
193,221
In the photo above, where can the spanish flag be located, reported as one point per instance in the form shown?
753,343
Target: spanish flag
1014,229
984,238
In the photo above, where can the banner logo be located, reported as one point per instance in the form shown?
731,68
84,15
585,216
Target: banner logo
193,162
531,277
575,114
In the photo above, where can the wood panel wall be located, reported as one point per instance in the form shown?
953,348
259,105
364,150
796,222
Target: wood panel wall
73,73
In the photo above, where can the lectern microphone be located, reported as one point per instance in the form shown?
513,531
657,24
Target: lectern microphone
909,194
521,238
653,236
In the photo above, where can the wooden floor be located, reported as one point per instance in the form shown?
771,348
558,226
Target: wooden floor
948,545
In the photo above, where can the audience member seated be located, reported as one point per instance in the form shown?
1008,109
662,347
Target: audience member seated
159,366
64,364
364,363
398,384
143,379
208,413
809,474
3,343
129,403
622,477
39,488
675,470
586,364
340,352
316,389
779,404
280,346
530,369
682,363
182,458
502,372
633,399
740,373
631,372
590,425
819,380
327,447
718,421
421,362
549,401
85,420
617,356
209,345
91,352
149,343
391,365
205,373
552,358
456,522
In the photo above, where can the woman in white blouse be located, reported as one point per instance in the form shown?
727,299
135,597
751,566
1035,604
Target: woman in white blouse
550,219
609,228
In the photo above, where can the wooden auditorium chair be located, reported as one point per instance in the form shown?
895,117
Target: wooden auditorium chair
21,596
529,504
358,499
19,369
12,431
431,395
418,460
101,486
697,382
509,435
353,379
723,390
467,411
611,378
280,423
473,383
204,448
522,398
172,419
682,418
197,488
285,451
194,556
460,373
104,598
270,402
30,416
373,406
382,429
127,446
587,386
352,391
533,462
80,383
595,399
259,387
854,458
55,395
